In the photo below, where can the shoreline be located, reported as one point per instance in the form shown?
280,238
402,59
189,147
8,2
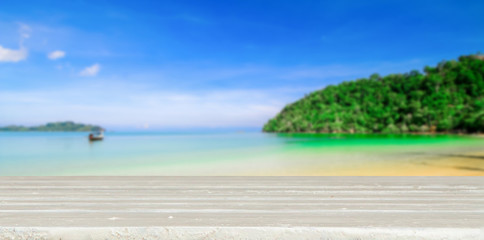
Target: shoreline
242,132
385,134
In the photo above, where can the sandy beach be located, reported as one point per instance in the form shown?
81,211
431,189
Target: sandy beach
434,164
241,207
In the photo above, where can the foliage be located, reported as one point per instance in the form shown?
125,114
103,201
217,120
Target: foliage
446,98
55,127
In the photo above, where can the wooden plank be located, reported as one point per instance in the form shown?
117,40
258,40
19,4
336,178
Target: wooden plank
242,207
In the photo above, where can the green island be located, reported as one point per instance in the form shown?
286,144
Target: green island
67,126
448,98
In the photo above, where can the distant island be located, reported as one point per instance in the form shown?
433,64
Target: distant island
448,98
67,126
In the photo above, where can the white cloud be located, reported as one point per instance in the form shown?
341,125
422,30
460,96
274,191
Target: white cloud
56,55
16,55
91,70
12,55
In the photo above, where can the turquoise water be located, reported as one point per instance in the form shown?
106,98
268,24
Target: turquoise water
152,153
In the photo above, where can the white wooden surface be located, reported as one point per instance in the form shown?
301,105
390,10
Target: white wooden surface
242,207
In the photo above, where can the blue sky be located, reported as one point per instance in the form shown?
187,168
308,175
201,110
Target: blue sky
204,64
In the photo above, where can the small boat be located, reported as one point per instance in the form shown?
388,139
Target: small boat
96,136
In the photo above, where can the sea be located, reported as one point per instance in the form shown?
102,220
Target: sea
238,154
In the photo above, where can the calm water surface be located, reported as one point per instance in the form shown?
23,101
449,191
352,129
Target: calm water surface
151,153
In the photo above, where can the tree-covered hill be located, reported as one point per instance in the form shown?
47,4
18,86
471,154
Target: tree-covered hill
446,98
55,127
